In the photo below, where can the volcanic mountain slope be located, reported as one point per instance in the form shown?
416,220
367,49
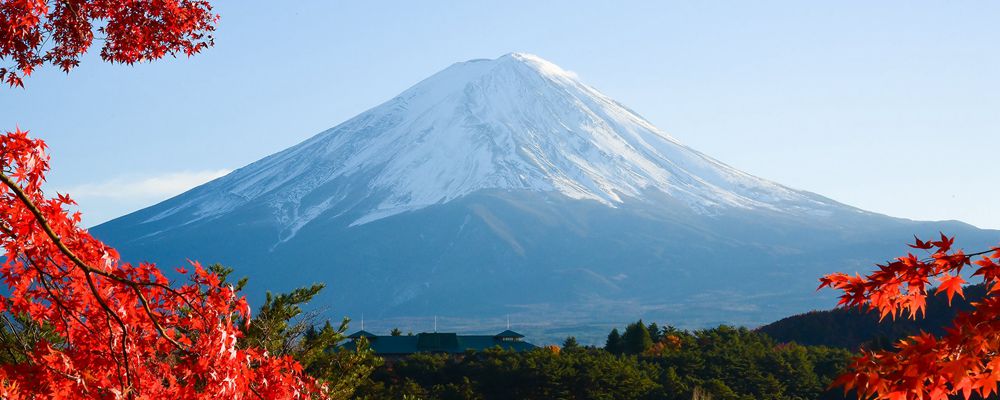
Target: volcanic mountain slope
507,186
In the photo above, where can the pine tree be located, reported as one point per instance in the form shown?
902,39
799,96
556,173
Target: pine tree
636,339
614,343
396,332
570,343
276,327
282,329
654,332
341,370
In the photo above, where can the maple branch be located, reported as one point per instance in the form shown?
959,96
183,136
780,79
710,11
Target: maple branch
86,268
900,280
107,310
118,364
44,223
48,230
25,347
17,337
5,229
255,392
132,284
64,375
969,255
40,219
55,298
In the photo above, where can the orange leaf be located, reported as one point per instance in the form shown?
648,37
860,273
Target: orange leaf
951,285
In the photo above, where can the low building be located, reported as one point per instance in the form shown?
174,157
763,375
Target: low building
441,343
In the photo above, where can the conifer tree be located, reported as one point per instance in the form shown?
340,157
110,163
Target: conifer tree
654,332
636,339
282,329
614,343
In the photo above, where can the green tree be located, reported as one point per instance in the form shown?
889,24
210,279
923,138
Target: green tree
223,273
342,370
396,332
654,332
636,339
614,343
276,327
281,327
19,335
570,343
723,363
497,374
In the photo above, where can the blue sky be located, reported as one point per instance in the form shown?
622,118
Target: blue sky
890,106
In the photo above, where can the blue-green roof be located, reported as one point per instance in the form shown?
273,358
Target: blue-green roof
510,334
362,333
441,343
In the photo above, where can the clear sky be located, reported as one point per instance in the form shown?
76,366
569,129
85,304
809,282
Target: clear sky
891,106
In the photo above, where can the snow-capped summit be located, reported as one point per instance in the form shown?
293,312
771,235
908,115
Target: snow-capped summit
507,186
517,122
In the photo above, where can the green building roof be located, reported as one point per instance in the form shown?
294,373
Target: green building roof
510,334
361,333
450,343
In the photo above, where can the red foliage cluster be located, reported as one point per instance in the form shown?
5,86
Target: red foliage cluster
964,361
35,32
117,330
125,331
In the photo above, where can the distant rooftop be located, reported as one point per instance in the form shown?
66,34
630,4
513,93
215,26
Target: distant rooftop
509,334
450,343
361,333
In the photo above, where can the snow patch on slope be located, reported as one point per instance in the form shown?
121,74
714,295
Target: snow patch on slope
514,123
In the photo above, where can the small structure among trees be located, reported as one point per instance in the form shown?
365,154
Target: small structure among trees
398,346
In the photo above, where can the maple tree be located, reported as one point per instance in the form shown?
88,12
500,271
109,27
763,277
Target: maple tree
37,32
125,331
85,323
964,361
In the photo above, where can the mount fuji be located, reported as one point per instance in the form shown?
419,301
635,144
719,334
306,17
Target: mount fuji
508,187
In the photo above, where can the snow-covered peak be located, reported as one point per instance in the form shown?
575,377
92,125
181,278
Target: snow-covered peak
517,122
541,65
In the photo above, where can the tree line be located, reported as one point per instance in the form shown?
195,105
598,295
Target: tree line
643,362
